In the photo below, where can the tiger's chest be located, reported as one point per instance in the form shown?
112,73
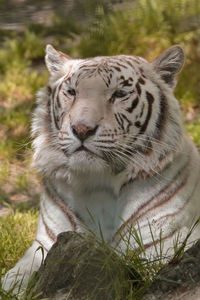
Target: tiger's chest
98,209
103,209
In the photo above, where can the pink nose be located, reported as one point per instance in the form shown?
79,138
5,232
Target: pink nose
82,131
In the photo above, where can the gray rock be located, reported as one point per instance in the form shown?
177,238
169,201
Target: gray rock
179,280
76,268
79,267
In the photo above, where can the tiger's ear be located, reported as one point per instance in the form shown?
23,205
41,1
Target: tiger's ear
55,60
169,63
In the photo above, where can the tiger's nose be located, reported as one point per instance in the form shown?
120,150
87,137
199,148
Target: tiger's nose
82,131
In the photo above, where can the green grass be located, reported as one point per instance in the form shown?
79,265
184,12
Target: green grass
17,231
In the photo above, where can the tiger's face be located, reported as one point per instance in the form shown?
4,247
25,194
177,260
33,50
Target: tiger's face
109,112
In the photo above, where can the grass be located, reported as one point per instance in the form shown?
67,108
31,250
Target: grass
124,275
145,28
17,231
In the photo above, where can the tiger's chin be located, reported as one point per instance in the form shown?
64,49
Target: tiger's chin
87,162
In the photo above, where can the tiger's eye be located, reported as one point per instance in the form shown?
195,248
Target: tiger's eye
71,92
119,94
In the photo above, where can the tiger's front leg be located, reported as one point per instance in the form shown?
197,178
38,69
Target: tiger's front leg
19,275
54,218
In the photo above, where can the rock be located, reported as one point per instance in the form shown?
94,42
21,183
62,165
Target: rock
178,281
76,268
79,267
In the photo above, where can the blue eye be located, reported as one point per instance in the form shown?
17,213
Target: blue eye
119,94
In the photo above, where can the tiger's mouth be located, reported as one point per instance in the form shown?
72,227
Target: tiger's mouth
85,159
80,150
83,148
86,151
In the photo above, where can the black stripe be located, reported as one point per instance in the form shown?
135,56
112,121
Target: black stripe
121,121
117,68
125,82
48,107
141,80
53,109
117,119
55,119
162,115
150,100
128,121
53,93
150,97
56,104
137,124
142,110
123,66
133,105
130,63
57,98
49,90
125,99
138,88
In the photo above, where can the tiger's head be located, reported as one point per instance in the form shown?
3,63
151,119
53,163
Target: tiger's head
101,113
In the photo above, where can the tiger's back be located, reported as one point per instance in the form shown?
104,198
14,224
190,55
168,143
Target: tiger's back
110,145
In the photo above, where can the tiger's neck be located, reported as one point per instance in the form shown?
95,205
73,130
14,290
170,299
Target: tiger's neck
105,198
84,184
112,184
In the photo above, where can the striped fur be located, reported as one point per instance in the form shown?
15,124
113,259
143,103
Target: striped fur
109,142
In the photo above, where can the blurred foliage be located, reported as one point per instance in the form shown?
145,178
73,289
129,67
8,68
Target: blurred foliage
193,128
146,28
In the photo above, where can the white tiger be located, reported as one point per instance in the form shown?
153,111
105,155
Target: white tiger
109,143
